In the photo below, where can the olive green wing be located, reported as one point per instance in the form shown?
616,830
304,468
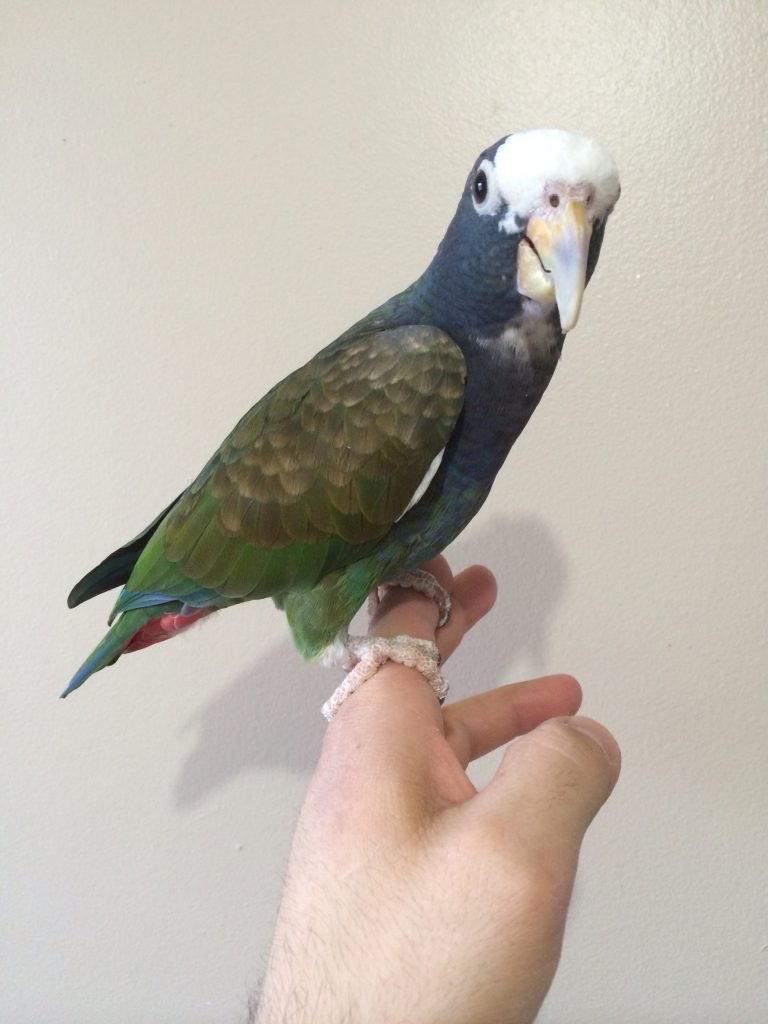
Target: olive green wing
313,475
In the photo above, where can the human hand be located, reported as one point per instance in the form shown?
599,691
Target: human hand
411,898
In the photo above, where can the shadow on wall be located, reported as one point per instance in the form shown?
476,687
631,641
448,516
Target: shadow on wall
270,715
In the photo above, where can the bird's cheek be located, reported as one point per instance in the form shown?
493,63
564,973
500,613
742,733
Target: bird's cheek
532,280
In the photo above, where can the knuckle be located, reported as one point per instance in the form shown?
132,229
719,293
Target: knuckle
534,880
546,884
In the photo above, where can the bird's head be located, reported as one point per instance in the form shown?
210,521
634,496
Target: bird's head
530,223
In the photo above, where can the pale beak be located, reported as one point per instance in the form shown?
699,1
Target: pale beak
556,266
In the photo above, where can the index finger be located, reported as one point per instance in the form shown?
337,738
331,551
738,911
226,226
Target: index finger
477,725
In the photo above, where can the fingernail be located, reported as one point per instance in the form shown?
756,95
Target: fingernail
600,735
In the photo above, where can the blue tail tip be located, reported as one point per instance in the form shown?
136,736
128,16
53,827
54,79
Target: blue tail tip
75,681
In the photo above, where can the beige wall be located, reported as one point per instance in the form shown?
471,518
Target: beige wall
195,197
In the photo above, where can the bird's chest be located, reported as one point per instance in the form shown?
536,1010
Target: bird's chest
506,377
507,373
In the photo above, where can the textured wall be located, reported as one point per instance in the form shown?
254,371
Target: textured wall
195,197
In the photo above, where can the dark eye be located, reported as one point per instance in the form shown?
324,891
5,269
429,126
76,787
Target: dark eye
554,199
480,187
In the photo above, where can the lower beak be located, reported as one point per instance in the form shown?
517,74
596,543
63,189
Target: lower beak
557,266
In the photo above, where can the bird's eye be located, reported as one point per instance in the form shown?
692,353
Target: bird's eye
480,186
554,200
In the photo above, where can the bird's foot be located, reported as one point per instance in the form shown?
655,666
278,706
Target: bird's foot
369,653
422,581
366,654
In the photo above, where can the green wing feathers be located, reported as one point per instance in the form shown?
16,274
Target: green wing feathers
315,473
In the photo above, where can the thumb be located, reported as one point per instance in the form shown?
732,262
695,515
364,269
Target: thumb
551,783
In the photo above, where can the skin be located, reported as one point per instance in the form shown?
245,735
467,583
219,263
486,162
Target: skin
410,896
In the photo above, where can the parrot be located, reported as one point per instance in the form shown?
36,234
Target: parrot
372,457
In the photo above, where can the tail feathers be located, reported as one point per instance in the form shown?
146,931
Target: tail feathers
117,640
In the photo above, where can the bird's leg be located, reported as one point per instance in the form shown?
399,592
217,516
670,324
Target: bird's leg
366,654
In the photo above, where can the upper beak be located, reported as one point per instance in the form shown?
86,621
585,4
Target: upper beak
561,243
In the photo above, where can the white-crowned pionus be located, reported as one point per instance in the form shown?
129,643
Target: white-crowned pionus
372,457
